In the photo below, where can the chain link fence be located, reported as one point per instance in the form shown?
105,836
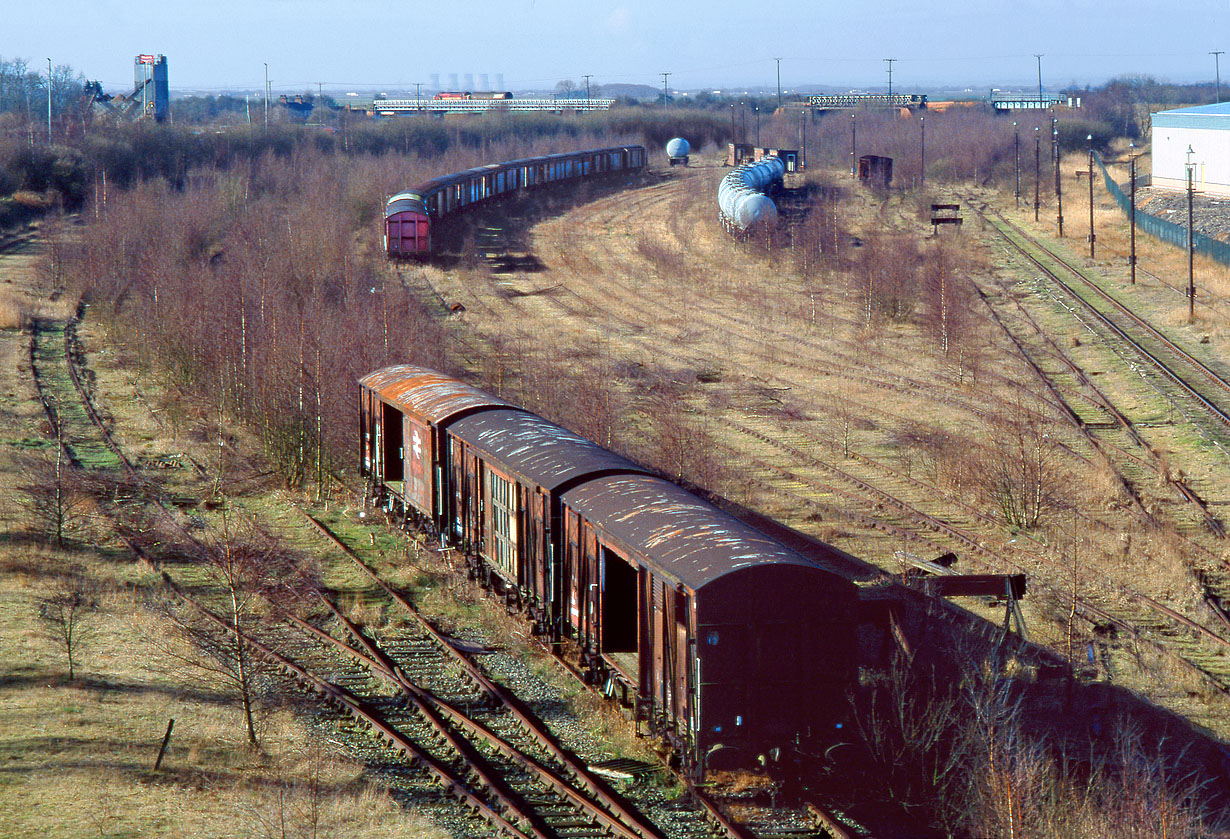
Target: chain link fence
1167,231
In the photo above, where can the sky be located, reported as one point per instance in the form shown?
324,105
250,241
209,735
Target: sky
221,46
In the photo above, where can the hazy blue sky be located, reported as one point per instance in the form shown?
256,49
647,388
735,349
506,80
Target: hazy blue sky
222,45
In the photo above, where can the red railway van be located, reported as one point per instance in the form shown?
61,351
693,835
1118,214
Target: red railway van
407,230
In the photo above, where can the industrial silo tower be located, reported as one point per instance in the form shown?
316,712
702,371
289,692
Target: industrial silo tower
151,86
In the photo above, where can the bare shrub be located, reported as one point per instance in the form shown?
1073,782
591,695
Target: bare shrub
245,571
1019,471
886,277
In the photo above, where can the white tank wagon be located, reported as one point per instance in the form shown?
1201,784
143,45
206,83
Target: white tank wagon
742,198
677,151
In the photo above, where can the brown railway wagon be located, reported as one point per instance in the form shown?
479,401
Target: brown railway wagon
401,409
731,643
507,471
727,642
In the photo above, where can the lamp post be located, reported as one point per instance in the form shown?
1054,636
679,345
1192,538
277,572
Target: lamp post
1016,163
1089,138
1191,237
1037,168
853,136
803,137
1039,57
1132,215
1058,186
922,151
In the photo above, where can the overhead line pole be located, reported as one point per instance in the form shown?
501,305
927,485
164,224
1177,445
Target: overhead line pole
1217,69
665,91
48,102
890,76
779,81
1038,56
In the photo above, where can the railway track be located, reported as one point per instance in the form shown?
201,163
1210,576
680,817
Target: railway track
1198,391
410,703
807,482
702,818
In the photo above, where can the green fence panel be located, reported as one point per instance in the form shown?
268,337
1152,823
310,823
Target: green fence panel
1160,228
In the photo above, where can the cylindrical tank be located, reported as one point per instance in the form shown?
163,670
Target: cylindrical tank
754,208
741,198
677,148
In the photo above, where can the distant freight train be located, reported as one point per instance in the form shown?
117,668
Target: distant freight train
408,216
465,94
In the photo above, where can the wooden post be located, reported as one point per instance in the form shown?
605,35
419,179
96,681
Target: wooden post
166,738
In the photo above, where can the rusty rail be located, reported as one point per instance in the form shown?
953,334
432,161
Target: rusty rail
590,783
346,701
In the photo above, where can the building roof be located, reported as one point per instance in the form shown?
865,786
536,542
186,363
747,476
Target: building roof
1198,116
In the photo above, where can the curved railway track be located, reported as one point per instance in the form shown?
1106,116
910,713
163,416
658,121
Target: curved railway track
803,481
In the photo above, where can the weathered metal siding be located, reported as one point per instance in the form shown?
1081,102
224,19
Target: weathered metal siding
775,656
420,459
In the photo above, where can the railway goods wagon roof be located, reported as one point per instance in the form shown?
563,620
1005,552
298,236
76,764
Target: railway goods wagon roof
455,177
459,177
403,202
684,536
427,393
536,449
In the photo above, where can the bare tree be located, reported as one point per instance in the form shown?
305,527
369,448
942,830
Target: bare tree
1019,469
246,570
65,609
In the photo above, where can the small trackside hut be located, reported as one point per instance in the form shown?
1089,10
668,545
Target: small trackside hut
725,641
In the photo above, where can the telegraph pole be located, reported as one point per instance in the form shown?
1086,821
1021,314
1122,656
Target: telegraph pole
1217,69
1090,139
853,138
1037,169
1132,258
1058,186
587,77
1191,238
665,93
779,81
890,77
1016,163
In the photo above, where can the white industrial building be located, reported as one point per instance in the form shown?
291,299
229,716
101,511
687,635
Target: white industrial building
1199,137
